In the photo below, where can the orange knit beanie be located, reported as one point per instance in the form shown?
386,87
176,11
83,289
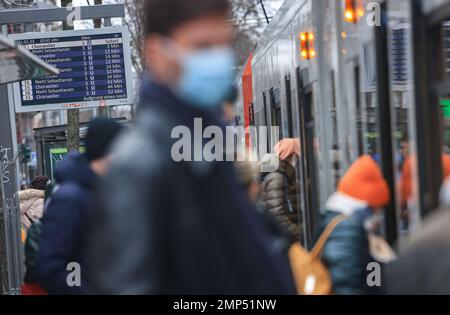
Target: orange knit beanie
286,148
364,181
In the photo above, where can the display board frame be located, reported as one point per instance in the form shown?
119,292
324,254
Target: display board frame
15,90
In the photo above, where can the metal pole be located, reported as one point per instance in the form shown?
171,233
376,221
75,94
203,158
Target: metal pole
73,115
103,111
384,118
323,113
12,247
342,108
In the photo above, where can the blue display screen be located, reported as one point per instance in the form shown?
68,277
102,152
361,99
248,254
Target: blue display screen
92,68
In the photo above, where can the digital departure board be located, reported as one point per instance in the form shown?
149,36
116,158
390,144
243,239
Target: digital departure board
94,65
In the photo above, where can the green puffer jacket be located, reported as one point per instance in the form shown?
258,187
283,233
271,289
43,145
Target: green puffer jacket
346,254
279,197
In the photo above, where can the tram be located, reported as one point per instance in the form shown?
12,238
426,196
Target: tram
355,77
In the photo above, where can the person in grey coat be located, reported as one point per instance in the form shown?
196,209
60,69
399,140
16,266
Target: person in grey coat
423,267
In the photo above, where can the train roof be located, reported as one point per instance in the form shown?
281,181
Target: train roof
287,12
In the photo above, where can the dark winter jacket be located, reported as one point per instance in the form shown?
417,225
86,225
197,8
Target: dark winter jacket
346,254
32,250
423,268
180,228
63,237
279,196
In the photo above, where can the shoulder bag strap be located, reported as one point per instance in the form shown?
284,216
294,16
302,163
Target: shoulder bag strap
318,248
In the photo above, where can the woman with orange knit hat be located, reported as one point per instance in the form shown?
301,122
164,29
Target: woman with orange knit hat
408,195
360,195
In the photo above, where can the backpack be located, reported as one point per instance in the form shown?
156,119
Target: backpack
33,238
32,249
310,274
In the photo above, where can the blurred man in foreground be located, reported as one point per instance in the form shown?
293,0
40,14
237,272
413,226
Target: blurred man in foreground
65,222
183,227
423,267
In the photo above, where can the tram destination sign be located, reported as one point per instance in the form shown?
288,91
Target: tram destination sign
94,65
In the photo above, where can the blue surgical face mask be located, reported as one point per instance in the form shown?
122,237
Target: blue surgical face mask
207,76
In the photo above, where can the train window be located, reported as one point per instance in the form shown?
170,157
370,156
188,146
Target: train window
416,63
402,102
334,117
433,141
266,123
359,112
444,101
275,110
266,120
252,114
287,81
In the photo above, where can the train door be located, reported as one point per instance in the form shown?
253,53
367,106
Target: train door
380,123
431,50
308,160
368,66
293,134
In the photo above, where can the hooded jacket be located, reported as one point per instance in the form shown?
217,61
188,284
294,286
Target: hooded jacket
63,236
31,206
346,253
279,196
180,227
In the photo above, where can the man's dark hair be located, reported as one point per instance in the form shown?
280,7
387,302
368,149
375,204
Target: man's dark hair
101,135
40,182
164,16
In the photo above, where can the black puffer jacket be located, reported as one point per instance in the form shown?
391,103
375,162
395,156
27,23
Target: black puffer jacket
279,196
64,226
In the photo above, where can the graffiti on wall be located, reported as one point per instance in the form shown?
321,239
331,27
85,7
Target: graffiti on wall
5,153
